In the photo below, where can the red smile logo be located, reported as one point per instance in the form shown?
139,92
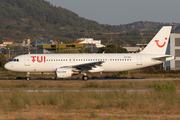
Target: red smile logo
157,42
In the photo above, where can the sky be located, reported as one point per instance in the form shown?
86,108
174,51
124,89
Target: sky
116,12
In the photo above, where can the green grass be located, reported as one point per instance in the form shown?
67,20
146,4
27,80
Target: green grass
164,87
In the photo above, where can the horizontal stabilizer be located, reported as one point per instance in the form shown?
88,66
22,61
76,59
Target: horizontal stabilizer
164,58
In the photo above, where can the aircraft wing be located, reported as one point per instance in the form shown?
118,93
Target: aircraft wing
86,66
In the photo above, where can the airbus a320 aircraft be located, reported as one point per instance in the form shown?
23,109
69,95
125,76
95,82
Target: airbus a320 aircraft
66,65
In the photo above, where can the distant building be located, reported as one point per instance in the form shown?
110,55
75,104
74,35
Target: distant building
55,46
141,45
16,44
32,51
33,44
173,49
89,41
1,50
93,45
133,49
7,43
1,46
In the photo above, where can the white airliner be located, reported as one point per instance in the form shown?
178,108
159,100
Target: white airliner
66,65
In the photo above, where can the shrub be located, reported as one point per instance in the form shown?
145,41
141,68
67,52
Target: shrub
164,87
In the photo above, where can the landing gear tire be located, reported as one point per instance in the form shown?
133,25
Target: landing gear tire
85,78
27,79
27,76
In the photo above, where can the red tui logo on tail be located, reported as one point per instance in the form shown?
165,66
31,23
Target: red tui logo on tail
160,46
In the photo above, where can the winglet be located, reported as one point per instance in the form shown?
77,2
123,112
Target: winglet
158,44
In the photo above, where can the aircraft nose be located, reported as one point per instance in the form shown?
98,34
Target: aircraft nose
7,66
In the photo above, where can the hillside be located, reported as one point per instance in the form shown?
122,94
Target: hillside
38,19
41,21
149,26
41,13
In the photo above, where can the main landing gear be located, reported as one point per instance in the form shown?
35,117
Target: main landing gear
85,78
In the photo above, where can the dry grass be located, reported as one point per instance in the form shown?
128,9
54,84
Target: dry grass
83,84
90,105
130,74
84,105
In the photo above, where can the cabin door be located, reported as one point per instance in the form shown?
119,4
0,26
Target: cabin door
27,61
139,60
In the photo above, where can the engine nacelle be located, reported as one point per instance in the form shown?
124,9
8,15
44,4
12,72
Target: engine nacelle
63,72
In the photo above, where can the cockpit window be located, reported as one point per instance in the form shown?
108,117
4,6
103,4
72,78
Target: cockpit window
15,60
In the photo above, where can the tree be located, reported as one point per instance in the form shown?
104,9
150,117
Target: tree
3,60
87,50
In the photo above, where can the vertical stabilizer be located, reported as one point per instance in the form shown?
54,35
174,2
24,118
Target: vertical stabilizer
158,44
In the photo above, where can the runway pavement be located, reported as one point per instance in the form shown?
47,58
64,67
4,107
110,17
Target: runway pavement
78,89
99,80
75,89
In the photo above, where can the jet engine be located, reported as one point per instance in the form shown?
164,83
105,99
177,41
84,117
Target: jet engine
63,72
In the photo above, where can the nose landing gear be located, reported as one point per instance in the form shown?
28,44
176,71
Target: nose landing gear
27,76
